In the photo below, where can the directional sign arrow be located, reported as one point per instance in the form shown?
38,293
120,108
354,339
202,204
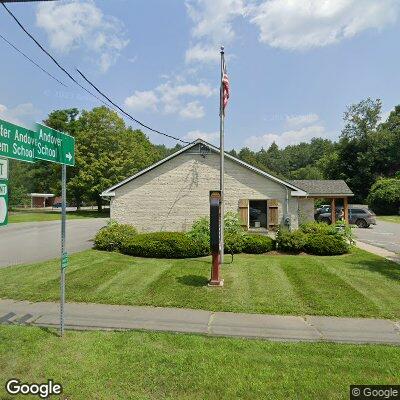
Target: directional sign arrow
54,146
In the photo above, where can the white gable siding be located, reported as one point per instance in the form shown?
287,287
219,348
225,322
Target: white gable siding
175,194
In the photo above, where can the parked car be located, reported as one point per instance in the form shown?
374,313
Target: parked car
324,208
361,216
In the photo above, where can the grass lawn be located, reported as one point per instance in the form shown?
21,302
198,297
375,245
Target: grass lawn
357,284
40,215
139,365
389,218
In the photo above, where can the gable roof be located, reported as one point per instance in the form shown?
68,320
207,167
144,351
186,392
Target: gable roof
323,187
296,189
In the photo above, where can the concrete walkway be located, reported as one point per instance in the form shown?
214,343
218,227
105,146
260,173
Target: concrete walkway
379,251
273,327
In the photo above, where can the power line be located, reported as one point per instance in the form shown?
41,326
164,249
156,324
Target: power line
24,1
52,58
33,62
86,90
127,114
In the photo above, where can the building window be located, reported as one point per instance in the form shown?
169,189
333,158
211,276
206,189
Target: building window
258,214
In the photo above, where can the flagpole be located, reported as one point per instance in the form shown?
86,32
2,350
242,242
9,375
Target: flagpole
222,154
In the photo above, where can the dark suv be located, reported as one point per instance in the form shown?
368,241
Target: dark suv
361,216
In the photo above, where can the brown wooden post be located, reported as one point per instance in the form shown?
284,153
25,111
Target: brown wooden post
346,209
333,211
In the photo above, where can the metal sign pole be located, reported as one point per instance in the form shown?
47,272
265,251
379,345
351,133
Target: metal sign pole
63,252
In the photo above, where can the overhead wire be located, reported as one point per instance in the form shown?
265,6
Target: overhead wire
127,114
90,83
32,61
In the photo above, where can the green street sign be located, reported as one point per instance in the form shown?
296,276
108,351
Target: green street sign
64,260
17,142
54,146
3,203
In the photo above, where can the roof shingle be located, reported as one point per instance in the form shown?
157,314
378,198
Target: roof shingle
323,187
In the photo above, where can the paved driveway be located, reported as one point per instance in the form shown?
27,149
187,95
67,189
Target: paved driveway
39,241
384,234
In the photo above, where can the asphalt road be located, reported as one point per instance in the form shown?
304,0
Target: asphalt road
384,234
30,242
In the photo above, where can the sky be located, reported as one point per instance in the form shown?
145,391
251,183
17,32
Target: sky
293,65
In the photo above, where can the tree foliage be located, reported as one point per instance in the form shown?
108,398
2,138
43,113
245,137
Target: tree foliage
384,197
107,151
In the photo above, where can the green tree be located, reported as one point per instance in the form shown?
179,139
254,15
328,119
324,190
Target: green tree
384,197
354,161
106,152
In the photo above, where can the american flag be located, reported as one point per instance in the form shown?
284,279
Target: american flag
224,86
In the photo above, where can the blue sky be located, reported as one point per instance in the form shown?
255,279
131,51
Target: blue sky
294,65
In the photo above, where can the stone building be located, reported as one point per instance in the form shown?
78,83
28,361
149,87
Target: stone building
173,193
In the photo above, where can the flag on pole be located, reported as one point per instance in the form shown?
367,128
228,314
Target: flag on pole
225,85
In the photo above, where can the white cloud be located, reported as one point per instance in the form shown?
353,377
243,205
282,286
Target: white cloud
286,24
202,53
301,120
207,136
79,23
213,19
213,27
192,110
172,97
140,101
294,24
286,138
24,114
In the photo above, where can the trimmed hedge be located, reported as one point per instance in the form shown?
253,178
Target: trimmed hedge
326,245
164,245
257,244
111,237
315,238
291,241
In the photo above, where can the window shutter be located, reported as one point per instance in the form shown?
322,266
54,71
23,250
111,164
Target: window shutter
273,213
244,213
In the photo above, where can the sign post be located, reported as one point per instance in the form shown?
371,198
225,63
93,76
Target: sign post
64,256
215,235
44,144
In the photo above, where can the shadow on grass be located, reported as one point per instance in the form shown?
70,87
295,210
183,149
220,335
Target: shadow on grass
49,331
387,268
193,280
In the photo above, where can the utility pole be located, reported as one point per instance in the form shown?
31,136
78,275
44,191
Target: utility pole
222,154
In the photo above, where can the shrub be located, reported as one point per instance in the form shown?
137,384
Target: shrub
384,196
233,233
291,242
257,244
111,237
164,245
326,245
318,227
